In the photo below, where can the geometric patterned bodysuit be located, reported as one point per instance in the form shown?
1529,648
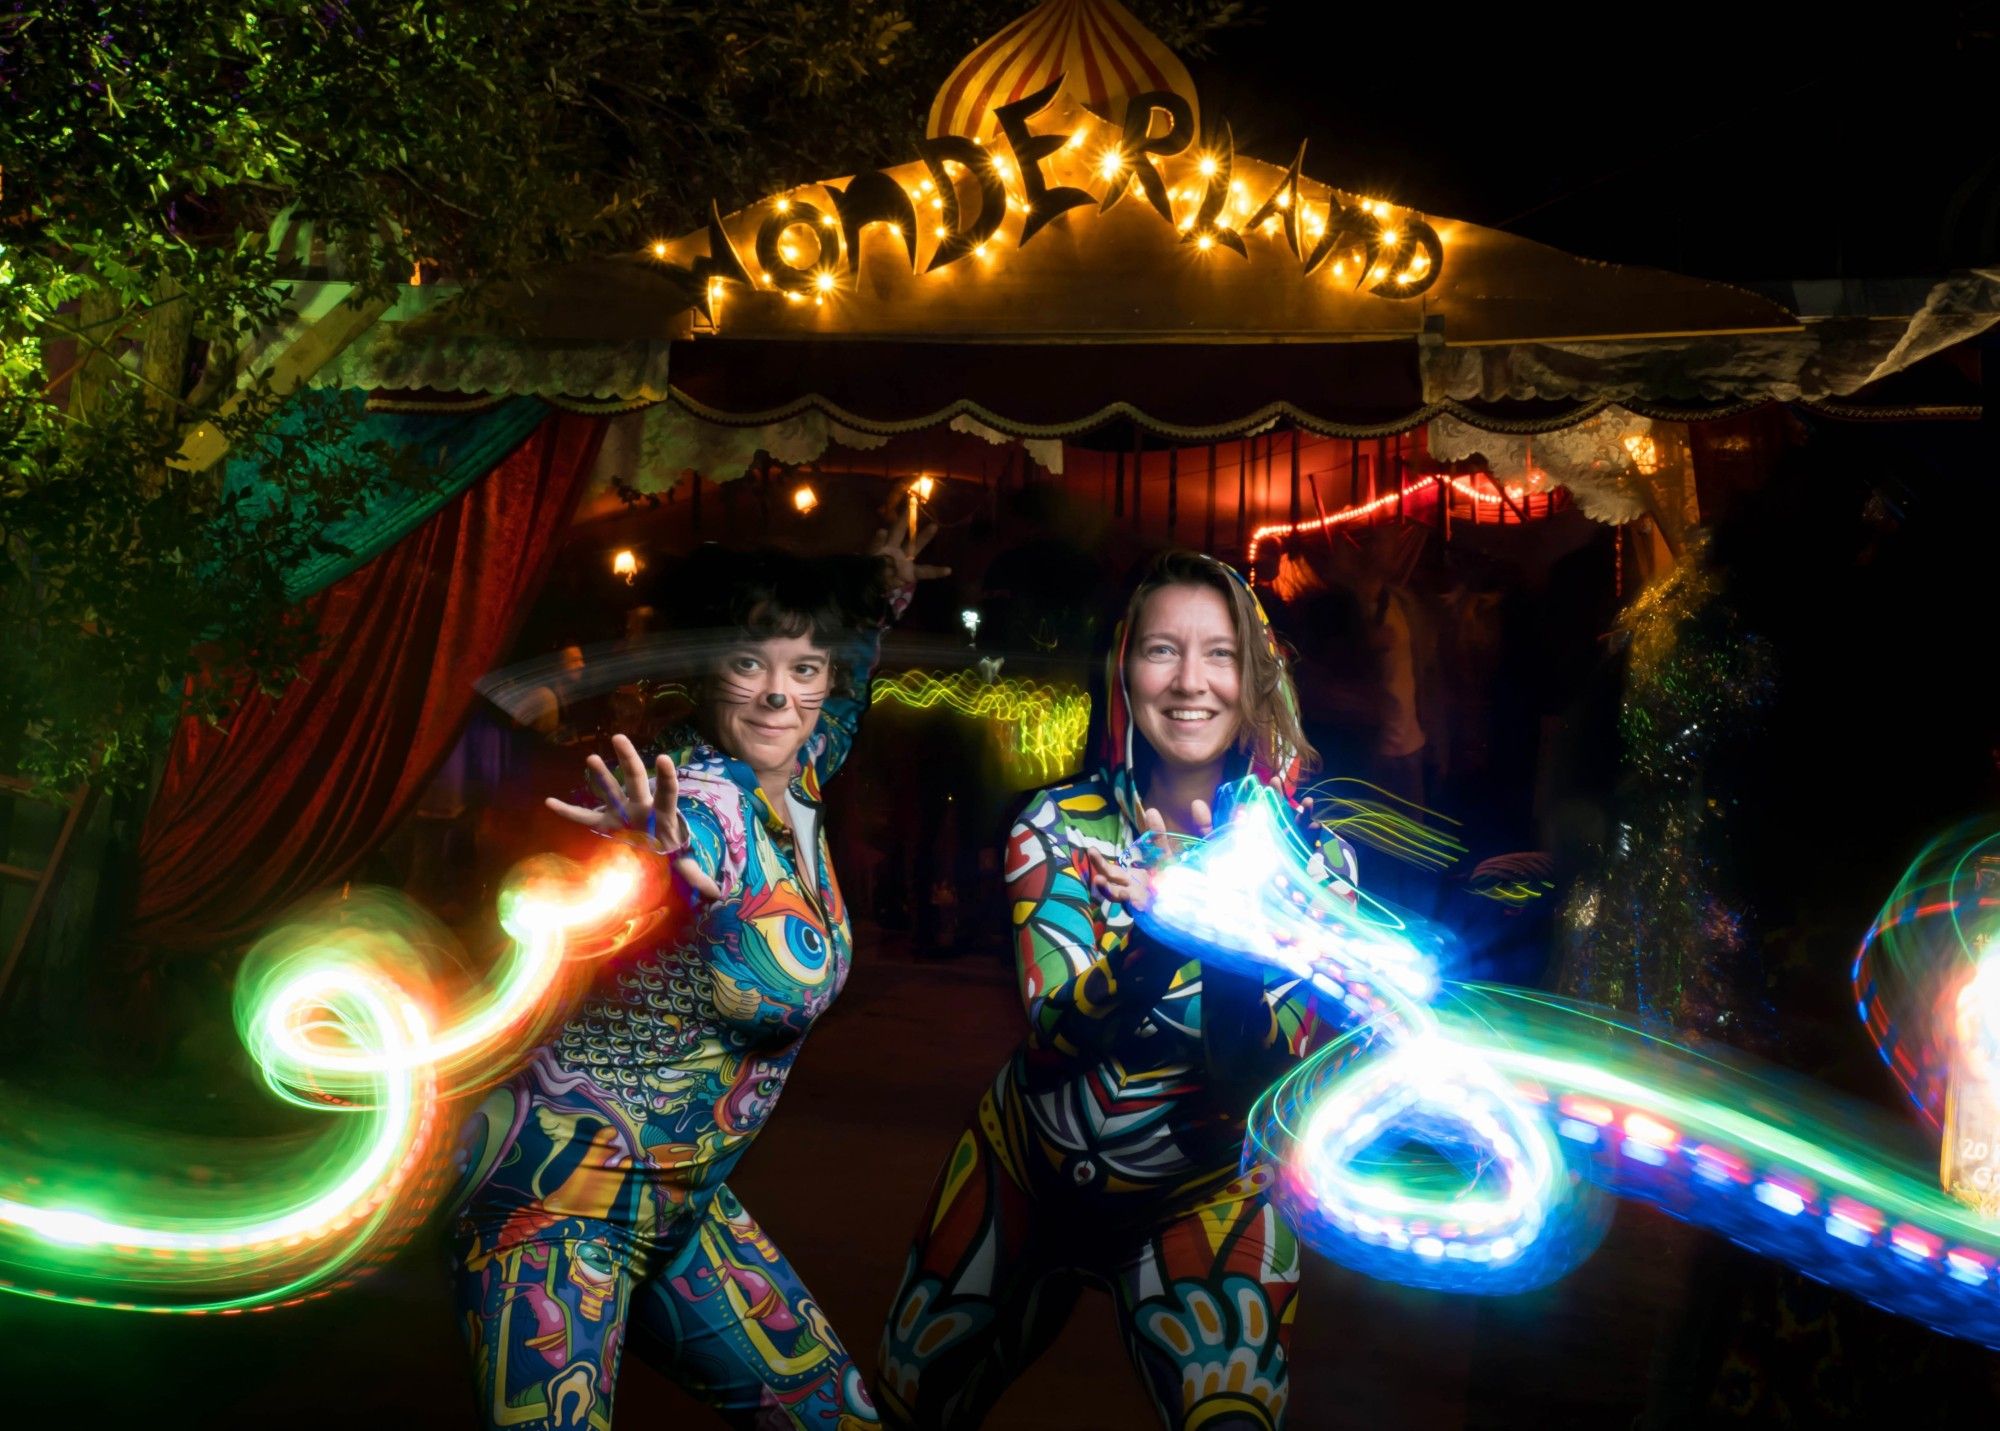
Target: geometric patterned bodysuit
598,1209
1108,1151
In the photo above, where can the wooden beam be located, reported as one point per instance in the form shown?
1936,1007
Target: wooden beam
79,808
204,444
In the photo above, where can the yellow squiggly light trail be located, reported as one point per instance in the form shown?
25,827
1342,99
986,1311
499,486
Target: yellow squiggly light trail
1048,722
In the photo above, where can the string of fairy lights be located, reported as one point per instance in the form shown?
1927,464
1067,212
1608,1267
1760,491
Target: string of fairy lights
1466,487
808,254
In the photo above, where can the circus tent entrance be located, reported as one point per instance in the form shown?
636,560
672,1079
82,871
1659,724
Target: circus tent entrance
1077,259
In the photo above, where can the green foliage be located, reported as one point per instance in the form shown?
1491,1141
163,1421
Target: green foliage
150,149
1657,929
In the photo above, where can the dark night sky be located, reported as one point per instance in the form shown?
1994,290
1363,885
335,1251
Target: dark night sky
1743,141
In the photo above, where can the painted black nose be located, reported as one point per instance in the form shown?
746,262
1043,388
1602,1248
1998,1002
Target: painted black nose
775,700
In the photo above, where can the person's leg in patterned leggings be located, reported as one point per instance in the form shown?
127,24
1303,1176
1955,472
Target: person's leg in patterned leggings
729,1320
979,1301
1206,1306
546,1319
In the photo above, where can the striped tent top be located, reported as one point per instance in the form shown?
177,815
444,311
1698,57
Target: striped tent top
1104,55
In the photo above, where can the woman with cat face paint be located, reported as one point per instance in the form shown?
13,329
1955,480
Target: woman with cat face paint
598,1208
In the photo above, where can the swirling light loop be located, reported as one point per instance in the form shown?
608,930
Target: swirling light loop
333,1011
1461,1138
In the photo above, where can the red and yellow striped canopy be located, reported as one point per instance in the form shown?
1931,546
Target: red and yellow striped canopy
1104,55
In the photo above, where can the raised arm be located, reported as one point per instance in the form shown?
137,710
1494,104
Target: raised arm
897,573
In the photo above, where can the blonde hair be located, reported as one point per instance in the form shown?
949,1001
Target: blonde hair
1270,733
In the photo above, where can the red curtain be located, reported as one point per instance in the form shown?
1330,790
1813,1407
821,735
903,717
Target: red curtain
291,792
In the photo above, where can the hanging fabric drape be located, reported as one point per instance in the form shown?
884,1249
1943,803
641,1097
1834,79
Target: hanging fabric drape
457,443
291,791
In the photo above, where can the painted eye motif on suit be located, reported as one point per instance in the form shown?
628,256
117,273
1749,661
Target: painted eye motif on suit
808,944
787,927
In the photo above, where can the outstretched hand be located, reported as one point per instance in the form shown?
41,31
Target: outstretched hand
898,551
637,812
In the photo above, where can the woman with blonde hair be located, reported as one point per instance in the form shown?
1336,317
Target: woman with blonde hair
1109,1148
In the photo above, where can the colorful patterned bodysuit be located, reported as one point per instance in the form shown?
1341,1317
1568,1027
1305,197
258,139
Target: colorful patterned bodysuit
1109,1151
599,1211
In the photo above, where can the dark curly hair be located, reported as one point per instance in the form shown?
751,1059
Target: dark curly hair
768,595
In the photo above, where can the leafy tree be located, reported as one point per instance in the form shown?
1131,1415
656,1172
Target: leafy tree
150,150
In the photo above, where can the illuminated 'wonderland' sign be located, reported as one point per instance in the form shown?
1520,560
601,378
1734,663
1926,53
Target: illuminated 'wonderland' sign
806,251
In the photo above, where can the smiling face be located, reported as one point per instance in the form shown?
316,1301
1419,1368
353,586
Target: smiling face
1183,672
764,699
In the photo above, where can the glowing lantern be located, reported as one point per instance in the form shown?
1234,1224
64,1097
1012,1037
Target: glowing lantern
804,499
625,563
1644,452
920,492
